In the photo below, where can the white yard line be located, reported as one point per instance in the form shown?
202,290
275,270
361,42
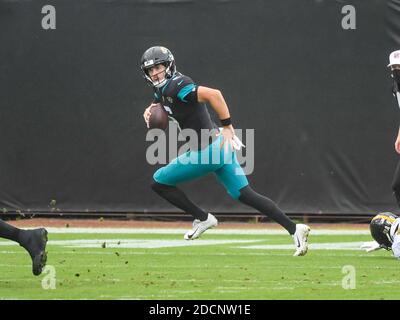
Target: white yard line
312,246
212,231
133,243
154,244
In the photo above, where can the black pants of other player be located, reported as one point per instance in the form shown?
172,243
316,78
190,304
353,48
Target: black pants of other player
396,184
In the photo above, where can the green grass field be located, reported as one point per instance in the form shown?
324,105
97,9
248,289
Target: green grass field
150,265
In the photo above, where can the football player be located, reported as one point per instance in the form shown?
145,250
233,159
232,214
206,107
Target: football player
384,229
34,241
394,65
384,226
185,101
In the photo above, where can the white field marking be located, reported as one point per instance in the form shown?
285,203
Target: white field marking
15,266
126,253
148,243
313,246
186,291
135,243
258,288
212,231
110,243
386,282
245,281
13,252
20,279
232,288
265,253
82,278
103,252
264,281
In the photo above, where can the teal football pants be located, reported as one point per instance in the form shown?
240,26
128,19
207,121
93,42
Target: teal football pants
212,159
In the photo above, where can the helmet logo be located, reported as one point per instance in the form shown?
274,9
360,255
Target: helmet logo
164,50
386,229
148,62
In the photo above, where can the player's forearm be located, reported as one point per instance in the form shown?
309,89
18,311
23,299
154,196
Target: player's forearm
214,98
218,103
396,247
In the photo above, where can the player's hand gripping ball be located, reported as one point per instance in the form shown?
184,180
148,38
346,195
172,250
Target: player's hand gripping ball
158,118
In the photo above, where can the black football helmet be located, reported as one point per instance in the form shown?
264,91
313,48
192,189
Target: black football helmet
154,56
380,228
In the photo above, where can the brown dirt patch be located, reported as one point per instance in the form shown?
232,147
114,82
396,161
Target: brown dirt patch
108,223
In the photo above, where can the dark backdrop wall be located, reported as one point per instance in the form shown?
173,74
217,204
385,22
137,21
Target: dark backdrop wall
317,96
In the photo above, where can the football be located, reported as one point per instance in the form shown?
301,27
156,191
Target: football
158,118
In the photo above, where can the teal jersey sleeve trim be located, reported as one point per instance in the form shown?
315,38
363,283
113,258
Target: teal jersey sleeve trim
185,91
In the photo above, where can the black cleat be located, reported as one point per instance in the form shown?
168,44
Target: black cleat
34,241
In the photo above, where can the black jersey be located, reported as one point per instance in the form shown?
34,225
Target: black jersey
179,98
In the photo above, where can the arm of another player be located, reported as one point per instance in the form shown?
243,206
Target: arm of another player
396,246
397,143
215,98
371,246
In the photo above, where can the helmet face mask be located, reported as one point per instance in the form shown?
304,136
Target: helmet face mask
380,228
155,77
155,56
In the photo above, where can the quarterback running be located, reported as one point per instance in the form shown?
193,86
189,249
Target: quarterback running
186,102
